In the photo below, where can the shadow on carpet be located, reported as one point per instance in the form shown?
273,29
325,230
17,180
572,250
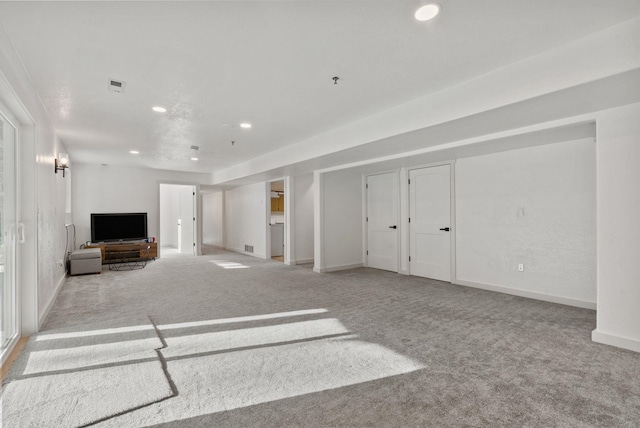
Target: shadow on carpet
71,378
220,365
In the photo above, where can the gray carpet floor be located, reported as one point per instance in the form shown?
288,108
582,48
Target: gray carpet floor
410,351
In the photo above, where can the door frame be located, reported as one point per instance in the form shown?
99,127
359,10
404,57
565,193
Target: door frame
405,197
191,203
289,241
29,317
197,211
365,223
7,116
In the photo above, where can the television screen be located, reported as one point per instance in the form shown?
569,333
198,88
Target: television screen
118,227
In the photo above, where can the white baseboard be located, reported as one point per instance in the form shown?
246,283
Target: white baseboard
529,294
42,317
337,268
617,341
303,261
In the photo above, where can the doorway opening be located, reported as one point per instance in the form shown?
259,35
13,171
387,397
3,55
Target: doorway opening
276,220
177,219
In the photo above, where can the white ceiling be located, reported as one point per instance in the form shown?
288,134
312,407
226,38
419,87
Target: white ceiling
215,64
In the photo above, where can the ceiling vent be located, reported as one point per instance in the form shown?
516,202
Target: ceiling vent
116,85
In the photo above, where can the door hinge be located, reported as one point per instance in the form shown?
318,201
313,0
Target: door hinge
367,252
366,186
194,244
367,219
409,181
194,219
409,258
409,219
194,193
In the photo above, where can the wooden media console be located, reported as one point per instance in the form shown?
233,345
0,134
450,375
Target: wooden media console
126,252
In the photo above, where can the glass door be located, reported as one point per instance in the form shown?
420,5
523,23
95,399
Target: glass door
8,237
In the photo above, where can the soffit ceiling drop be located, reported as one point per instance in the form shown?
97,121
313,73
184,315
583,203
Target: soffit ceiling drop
216,64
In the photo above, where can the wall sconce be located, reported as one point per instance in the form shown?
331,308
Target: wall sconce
61,163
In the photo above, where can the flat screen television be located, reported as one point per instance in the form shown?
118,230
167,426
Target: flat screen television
114,227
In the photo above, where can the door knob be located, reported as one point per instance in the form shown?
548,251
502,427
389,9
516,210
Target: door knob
446,229
393,227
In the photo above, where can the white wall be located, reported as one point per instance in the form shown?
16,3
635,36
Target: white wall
340,235
303,218
213,219
188,233
103,189
535,206
51,233
170,213
618,151
245,218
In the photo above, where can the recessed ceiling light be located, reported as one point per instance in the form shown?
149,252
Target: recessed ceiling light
245,125
159,109
194,159
134,152
427,12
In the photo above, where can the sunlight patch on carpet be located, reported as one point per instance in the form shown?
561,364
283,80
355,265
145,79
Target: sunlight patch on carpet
243,319
220,382
90,333
78,398
233,339
90,355
74,380
229,265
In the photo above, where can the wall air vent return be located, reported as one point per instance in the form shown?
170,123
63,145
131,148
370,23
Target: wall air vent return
116,85
248,248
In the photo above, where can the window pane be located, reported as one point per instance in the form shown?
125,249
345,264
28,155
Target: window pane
8,291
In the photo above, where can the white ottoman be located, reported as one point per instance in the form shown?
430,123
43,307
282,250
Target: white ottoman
88,260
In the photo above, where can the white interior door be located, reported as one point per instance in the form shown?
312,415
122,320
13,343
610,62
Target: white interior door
429,224
8,237
277,240
187,220
382,221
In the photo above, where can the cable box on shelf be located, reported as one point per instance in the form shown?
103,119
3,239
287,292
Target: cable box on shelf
121,252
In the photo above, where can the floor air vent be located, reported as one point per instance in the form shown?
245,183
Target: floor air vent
248,248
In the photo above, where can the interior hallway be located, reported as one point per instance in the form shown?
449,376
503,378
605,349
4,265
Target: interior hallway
252,342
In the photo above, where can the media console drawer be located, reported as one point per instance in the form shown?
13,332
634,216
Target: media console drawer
116,253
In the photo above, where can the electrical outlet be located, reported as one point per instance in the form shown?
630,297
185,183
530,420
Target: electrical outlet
521,267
